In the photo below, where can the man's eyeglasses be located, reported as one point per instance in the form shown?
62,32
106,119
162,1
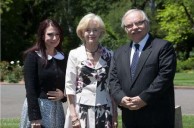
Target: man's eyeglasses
139,23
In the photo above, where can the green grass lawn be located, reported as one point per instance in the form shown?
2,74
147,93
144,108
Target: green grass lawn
9,123
188,122
184,79
181,79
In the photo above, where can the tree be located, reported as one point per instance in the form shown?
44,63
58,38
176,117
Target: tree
20,20
19,25
176,21
170,19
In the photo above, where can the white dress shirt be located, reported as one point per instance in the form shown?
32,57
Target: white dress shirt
141,46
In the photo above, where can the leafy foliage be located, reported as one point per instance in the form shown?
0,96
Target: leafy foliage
11,72
186,65
172,23
170,19
176,22
5,5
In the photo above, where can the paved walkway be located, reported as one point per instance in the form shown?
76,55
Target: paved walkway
12,98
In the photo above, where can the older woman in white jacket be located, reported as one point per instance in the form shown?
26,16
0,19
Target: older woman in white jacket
89,102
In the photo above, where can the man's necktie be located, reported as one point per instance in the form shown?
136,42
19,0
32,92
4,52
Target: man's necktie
135,60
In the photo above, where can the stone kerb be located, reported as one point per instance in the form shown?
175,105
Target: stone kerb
178,117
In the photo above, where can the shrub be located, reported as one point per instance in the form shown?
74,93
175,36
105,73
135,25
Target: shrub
3,70
185,65
11,72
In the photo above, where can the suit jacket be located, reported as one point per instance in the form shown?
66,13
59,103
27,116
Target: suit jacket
153,82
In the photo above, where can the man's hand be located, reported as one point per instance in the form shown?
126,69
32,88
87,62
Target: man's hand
125,101
136,103
132,103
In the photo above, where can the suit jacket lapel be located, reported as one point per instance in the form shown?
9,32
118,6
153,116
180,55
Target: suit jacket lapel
144,55
126,58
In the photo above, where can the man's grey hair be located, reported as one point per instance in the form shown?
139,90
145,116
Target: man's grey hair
134,10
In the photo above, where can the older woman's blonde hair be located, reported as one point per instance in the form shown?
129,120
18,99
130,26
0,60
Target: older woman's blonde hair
84,22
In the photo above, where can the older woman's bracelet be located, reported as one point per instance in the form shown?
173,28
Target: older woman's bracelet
74,121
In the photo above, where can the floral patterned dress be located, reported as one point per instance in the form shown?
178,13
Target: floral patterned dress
89,84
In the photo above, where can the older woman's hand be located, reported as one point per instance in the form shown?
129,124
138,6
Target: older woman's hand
75,121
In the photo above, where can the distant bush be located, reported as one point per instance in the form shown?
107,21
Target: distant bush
11,72
185,65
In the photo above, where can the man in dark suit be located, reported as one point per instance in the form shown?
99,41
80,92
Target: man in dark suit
144,91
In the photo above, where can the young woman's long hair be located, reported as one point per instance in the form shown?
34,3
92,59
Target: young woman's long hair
40,43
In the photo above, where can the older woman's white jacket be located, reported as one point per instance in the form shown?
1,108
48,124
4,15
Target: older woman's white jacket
88,82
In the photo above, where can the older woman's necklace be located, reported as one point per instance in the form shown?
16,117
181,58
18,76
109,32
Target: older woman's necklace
92,53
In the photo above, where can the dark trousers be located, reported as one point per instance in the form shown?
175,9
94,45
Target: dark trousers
144,119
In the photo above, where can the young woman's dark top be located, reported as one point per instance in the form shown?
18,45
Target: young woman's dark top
39,79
